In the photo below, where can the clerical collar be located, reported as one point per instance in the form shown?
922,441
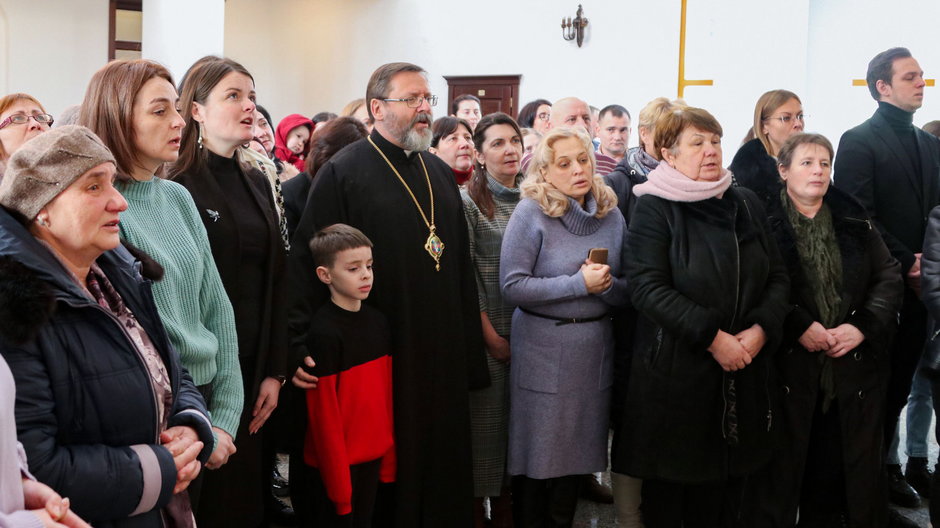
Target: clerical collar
393,151
899,119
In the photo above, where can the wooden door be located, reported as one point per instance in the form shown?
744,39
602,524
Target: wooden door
497,93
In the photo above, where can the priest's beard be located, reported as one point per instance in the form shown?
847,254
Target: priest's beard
413,139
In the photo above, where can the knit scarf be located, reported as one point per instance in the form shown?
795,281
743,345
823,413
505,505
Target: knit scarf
668,183
640,161
822,264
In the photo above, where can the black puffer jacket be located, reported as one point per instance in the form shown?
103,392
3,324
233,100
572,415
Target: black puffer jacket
872,291
85,410
696,268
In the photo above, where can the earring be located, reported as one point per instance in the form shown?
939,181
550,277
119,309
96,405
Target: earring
43,221
199,140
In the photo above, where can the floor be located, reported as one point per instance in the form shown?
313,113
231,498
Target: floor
593,515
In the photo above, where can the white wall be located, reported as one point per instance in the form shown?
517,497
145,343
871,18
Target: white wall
51,48
177,41
313,55
318,54
844,35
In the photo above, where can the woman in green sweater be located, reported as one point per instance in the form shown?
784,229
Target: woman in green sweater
132,106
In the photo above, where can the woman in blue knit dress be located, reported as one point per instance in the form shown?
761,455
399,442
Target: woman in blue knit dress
561,337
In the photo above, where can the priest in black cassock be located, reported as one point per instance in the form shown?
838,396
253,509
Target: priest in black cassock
406,201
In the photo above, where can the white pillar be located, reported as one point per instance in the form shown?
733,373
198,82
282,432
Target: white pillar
178,32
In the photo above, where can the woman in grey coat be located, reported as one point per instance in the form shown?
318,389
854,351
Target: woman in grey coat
561,342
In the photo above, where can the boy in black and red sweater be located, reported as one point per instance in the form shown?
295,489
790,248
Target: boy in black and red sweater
349,438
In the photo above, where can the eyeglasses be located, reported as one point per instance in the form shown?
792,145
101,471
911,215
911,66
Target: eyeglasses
22,119
415,102
787,118
543,116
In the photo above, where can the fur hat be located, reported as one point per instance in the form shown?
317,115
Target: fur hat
47,164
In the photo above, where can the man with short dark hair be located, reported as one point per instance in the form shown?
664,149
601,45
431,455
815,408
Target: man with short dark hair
467,107
405,201
613,129
891,167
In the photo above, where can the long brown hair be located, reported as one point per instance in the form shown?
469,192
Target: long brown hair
108,107
196,85
477,187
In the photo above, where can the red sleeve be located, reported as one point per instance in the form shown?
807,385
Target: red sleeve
389,465
328,442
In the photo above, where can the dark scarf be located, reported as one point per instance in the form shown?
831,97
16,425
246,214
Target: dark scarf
821,261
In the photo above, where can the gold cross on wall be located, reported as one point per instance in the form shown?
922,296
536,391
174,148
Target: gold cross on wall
862,82
683,82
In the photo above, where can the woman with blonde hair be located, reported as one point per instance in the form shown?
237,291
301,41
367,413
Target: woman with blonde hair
357,109
22,118
777,116
640,160
561,265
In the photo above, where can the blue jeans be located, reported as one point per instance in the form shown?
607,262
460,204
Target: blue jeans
919,414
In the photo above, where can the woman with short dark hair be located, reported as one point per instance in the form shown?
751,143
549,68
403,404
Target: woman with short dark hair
535,115
452,141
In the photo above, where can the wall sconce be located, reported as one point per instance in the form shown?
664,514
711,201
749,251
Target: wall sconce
574,29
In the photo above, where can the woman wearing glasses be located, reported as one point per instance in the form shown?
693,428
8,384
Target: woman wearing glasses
535,115
22,118
777,116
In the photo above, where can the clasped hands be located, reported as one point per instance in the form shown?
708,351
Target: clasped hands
835,342
596,277
734,352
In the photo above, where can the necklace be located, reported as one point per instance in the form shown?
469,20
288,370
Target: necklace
433,245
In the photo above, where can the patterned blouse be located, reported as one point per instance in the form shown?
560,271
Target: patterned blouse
108,298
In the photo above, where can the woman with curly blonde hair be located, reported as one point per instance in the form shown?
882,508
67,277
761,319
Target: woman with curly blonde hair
561,338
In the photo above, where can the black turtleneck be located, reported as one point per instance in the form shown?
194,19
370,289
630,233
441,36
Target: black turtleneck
902,123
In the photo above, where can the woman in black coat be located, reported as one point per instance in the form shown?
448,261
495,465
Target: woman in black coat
217,100
104,410
777,116
707,281
846,290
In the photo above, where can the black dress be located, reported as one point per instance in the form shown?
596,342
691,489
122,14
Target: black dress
437,344
236,207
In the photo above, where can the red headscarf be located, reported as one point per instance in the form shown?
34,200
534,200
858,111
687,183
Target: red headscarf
280,140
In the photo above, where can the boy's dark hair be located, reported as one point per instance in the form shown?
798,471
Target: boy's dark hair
881,68
330,240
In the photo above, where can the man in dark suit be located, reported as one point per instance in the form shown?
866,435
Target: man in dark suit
893,169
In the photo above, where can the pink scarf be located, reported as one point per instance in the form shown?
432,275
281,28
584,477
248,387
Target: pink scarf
670,184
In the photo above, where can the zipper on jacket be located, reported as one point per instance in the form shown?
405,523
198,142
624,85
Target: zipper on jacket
862,220
137,353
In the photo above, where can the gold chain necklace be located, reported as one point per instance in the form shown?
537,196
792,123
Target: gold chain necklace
433,245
